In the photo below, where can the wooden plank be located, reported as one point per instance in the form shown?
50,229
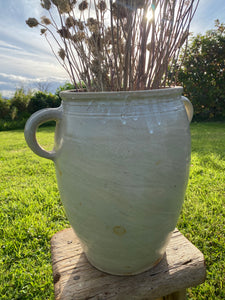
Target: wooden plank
183,266
180,295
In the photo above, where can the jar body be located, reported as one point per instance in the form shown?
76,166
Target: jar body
122,164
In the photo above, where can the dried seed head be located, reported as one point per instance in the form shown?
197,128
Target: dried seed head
64,6
46,4
91,21
101,5
70,22
64,33
83,5
78,37
43,30
62,53
92,25
119,11
45,20
80,25
32,22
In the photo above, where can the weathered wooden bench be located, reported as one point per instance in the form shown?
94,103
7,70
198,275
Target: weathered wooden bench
182,267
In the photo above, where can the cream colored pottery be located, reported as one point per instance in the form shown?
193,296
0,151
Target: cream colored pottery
122,163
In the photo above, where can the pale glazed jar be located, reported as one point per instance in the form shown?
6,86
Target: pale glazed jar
122,164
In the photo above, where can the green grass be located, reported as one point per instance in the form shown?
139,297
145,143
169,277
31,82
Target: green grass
31,212
202,219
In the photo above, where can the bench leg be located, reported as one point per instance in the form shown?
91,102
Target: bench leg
180,295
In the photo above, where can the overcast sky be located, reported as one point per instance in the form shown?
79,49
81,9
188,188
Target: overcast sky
25,57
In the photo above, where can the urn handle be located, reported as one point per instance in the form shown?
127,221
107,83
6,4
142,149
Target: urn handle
188,107
32,124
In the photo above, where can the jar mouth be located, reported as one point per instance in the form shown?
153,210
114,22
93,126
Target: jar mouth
73,95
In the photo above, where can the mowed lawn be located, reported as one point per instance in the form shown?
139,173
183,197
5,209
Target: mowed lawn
31,212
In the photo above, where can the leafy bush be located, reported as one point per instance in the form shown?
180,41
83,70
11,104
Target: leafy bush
42,100
65,87
19,103
6,125
4,108
203,74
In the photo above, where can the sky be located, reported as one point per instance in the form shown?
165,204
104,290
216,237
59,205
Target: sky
26,59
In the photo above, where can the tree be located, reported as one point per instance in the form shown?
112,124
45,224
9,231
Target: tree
203,73
19,104
42,100
43,86
4,108
66,86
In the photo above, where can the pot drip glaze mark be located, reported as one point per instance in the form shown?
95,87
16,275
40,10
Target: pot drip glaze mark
150,125
123,119
119,230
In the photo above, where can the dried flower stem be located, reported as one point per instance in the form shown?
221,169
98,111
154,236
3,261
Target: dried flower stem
117,44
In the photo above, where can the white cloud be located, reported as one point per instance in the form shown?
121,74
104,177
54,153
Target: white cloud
6,93
16,78
8,45
10,82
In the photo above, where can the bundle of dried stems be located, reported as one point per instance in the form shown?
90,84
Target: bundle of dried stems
113,45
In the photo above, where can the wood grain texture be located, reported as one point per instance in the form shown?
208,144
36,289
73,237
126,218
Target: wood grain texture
74,278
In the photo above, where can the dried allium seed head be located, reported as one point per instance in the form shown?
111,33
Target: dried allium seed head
64,33
32,22
91,21
43,30
64,6
56,2
80,25
45,20
94,28
70,22
46,4
101,5
78,37
92,25
62,53
119,11
83,5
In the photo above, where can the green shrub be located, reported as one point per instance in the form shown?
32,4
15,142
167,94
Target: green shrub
4,109
42,100
203,74
65,87
19,104
12,124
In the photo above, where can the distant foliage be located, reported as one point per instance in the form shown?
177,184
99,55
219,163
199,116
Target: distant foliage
42,100
203,74
65,87
19,104
14,112
4,108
